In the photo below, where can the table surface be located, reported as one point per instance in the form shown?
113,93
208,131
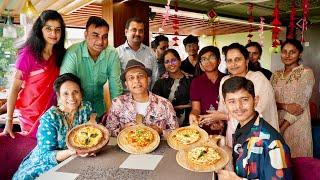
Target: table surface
106,166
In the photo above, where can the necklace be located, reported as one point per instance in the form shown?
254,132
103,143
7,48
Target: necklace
68,118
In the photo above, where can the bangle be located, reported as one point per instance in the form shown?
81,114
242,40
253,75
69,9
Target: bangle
9,118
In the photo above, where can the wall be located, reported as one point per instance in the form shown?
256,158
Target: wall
225,40
311,58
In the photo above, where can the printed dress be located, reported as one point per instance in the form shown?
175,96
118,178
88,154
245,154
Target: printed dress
296,88
263,154
51,137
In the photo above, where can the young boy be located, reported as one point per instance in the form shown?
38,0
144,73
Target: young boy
259,151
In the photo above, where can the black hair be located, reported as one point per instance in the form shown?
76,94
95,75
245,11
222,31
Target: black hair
97,21
237,83
134,19
153,44
173,51
224,50
241,48
64,78
36,40
256,44
212,49
294,42
160,38
190,39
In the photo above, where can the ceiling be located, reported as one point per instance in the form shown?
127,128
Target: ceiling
76,12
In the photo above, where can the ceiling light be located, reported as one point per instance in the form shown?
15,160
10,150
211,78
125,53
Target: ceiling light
28,13
9,31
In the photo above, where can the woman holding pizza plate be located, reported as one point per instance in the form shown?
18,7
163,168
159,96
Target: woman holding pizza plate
54,124
237,59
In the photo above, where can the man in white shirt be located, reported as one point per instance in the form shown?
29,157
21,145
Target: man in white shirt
133,48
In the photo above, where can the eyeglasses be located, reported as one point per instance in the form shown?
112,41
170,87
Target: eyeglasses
50,29
205,60
173,61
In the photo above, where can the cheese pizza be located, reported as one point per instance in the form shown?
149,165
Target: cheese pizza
138,139
87,137
203,155
206,157
187,136
184,137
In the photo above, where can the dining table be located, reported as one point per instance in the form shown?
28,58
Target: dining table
112,163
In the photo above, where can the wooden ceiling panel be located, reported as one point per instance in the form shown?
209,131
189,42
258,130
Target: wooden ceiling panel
198,26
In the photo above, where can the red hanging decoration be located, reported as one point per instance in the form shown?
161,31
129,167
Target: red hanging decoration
175,24
292,21
305,8
165,16
250,20
276,23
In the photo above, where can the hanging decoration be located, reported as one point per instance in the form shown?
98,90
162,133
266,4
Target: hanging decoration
305,10
250,20
261,36
292,21
276,23
212,16
166,16
175,24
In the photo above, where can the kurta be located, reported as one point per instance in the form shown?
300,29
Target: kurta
51,136
266,106
94,74
296,88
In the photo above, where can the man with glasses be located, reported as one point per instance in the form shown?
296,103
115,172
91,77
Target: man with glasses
255,52
133,48
204,90
161,43
95,63
191,47
157,111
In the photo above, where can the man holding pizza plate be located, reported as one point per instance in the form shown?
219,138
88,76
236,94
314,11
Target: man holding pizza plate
156,112
259,151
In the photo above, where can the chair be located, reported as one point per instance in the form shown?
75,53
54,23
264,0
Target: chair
12,152
306,168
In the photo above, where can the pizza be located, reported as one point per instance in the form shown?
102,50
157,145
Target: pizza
87,137
185,137
206,157
140,137
203,155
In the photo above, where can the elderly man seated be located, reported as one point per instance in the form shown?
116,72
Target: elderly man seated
157,111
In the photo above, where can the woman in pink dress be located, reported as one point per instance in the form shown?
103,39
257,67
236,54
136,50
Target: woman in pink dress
293,88
37,66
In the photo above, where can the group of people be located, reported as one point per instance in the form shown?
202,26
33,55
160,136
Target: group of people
265,122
